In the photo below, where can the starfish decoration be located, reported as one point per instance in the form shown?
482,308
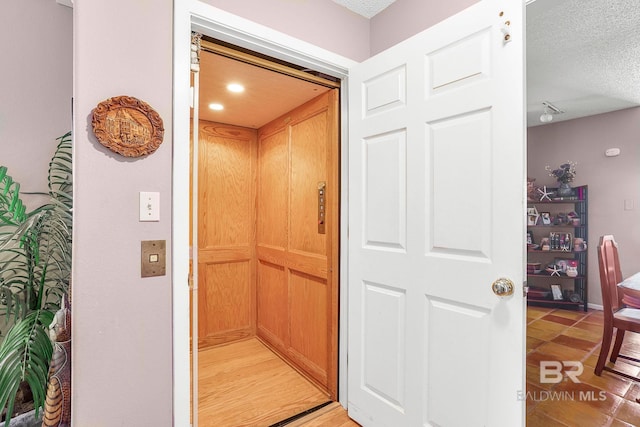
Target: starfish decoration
545,193
554,270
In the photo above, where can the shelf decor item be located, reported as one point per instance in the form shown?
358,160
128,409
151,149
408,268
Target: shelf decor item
534,268
579,244
545,194
556,291
564,174
546,218
127,126
544,244
531,189
529,238
532,216
539,293
572,268
564,189
562,264
553,270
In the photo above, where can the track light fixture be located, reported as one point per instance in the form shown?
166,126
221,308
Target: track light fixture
549,111
546,116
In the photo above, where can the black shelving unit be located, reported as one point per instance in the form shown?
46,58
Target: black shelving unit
574,289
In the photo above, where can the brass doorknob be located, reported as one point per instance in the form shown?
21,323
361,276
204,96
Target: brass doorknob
503,287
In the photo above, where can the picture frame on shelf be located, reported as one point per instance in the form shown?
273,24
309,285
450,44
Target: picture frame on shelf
560,242
532,216
546,218
566,242
556,291
530,237
562,264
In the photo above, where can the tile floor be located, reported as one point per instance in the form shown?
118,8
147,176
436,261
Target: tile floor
564,335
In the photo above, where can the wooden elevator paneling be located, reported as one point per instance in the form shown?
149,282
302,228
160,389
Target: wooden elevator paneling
226,233
264,269
300,150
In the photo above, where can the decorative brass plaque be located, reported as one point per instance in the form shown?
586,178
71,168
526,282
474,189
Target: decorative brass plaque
154,258
127,126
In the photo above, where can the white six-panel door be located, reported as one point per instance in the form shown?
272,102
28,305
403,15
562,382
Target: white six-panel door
436,215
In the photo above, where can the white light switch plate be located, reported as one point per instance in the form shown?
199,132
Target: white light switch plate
149,206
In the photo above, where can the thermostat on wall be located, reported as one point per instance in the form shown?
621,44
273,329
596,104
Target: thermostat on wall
612,152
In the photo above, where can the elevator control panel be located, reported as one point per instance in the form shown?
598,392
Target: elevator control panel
322,198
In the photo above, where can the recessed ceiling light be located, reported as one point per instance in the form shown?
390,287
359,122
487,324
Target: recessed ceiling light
235,87
216,107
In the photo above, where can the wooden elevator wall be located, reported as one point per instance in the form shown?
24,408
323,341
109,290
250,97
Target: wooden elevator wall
226,233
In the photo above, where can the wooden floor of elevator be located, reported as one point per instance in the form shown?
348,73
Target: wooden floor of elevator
245,384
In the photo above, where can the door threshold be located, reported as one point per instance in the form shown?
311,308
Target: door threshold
301,414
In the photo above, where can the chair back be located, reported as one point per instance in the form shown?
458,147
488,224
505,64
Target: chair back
610,274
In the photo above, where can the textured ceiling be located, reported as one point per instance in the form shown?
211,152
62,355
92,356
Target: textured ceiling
366,8
583,56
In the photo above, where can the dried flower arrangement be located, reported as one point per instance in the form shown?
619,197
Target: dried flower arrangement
565,173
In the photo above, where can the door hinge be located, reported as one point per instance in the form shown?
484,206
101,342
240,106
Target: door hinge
505,29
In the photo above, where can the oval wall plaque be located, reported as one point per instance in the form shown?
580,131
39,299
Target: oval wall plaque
127,126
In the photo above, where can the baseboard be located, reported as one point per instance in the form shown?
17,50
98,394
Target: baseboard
595,306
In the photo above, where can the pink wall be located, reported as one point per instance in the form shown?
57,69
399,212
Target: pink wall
405,18
320,22
122,324
35,88
335,28
611,180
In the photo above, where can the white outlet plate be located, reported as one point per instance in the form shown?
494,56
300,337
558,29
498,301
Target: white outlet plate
149,206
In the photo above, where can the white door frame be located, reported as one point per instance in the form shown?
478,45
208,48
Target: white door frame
194,15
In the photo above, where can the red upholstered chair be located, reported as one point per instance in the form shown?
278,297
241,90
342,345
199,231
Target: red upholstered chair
616,314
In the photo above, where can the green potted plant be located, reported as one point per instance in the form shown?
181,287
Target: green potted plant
35,270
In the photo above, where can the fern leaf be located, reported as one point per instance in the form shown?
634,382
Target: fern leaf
24,356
